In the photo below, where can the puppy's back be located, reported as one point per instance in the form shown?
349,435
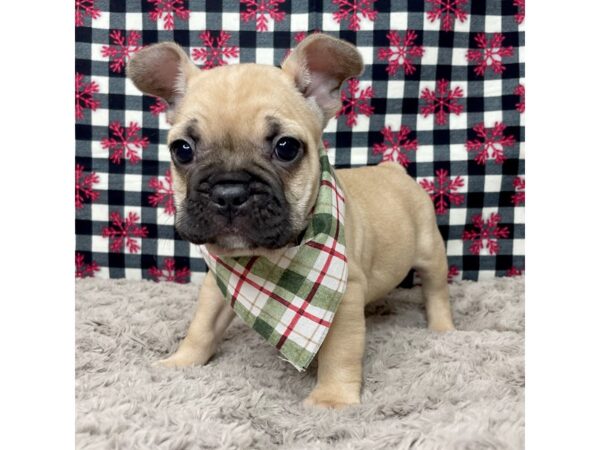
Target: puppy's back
389,215
387,185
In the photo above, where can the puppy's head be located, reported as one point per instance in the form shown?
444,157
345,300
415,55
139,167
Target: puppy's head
244,139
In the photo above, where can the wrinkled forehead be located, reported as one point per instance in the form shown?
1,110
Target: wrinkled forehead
245,102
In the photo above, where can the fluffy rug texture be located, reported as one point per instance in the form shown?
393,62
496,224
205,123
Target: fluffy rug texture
422,390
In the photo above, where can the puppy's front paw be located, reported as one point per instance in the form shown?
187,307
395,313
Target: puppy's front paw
184,357
337,397
441,326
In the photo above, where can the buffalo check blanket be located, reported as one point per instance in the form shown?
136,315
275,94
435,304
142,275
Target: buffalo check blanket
290,299
442,94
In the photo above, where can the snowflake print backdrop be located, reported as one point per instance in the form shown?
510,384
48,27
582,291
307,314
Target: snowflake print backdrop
442,94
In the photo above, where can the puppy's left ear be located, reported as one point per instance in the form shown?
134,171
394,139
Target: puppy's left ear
319,65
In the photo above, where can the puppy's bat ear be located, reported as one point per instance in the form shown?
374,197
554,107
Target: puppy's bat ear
161,70
319,65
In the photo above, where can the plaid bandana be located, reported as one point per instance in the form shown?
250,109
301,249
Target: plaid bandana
290,299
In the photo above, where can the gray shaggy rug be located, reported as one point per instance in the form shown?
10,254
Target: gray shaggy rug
462,390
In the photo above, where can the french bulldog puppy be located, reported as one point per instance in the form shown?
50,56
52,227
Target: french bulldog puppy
244,145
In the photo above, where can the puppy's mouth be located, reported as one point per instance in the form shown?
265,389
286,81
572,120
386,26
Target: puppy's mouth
235,211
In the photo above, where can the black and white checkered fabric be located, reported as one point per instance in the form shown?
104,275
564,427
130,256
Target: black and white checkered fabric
469,51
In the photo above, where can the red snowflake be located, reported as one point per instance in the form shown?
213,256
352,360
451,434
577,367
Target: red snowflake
395,146
351,10
326,144
123,232
158,106
520,91
124,142
442,101
163,193
168,272
84,96
401,52
443,190
261,10
85,8
355,102
485,234
215,51
490,53
490,139
448,11
514,272
122,49
82,269
84,185
452,272
520,15
518,197
167,10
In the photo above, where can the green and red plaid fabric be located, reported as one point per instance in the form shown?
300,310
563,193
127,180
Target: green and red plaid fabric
290,299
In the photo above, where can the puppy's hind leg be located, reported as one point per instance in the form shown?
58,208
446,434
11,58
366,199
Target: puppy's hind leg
433,271
213,316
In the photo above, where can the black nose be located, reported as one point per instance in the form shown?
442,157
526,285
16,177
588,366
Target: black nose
229,196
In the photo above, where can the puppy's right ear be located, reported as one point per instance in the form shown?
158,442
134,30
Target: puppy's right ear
162,70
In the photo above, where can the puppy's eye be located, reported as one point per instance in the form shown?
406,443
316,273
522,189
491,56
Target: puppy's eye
287,149
182,151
